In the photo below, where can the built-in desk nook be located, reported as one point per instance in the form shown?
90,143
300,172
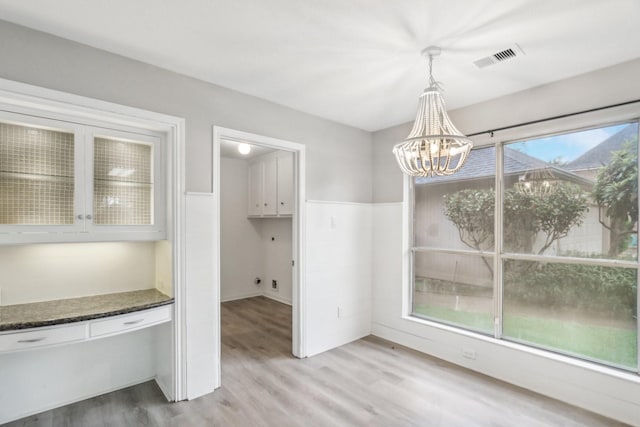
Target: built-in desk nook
89,251
49,323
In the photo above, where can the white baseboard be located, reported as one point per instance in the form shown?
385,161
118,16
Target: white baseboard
164,389
257,294
243,296
277,298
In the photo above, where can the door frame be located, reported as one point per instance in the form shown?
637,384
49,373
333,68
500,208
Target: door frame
298,291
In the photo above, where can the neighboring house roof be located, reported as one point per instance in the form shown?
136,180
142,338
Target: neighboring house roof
600,155
481,164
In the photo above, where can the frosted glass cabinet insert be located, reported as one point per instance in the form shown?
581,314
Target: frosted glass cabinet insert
37,175
123,181
62,181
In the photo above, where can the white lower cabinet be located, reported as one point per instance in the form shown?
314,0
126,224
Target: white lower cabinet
42,337
48,336
132,321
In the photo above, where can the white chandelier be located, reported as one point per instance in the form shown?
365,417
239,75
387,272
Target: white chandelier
434,146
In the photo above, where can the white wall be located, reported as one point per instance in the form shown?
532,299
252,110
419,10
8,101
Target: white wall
201,251
602,390
338,273
241,243
164,271
335,152
33,273
277,255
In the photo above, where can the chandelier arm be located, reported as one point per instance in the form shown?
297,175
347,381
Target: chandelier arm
420,157
440,168
446,155
428,171
419,160
411,161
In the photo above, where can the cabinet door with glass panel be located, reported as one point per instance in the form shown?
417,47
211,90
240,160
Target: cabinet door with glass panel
61,181
123,182
41,175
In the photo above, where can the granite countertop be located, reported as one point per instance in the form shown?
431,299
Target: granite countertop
57,312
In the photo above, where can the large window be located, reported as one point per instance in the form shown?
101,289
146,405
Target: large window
535,241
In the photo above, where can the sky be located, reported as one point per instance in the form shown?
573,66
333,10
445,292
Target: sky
568,146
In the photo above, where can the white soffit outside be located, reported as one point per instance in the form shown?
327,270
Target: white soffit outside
356,62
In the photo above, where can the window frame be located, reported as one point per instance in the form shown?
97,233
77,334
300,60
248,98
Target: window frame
499,139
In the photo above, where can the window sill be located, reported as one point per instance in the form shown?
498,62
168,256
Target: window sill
582,364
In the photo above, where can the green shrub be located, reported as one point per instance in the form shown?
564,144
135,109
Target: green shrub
586,287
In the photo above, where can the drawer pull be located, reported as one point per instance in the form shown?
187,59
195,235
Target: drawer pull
133,322
31,340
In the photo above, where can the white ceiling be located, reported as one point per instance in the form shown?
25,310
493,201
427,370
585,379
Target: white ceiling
356,62
229,149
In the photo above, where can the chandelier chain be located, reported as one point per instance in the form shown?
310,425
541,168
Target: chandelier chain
432,82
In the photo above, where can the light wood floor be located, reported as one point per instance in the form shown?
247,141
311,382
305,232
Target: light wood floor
370,382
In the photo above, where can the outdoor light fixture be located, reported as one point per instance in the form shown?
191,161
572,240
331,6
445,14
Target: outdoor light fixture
434,146
539,181
244,148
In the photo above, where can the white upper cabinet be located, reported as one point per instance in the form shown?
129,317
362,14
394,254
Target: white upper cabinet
271,185
285,183
255,189
123,183
41,175
270,191
63,182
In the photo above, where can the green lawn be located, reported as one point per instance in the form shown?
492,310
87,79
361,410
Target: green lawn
608,344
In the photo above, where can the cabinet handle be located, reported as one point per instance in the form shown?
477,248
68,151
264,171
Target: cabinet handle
80,216
265,204
133,322
89,217
31,340
282,203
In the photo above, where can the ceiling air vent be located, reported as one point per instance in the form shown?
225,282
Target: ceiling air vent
502,56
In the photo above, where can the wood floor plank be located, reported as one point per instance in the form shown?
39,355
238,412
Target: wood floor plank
370,382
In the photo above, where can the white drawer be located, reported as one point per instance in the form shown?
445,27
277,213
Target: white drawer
139,319
42,337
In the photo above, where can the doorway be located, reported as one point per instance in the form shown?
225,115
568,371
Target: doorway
269,148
